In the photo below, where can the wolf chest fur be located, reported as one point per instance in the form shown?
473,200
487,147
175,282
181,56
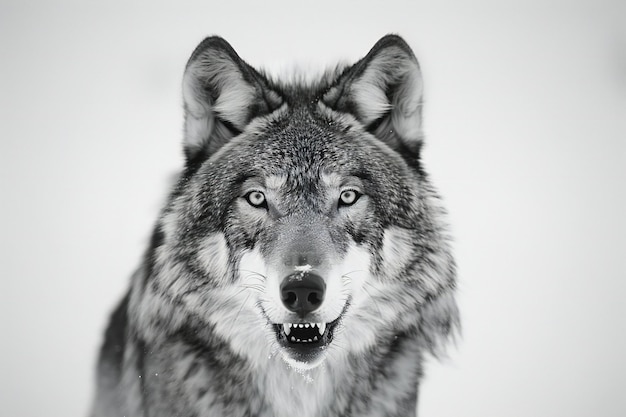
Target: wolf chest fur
301,265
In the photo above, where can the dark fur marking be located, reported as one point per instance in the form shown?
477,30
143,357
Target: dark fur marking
141,368
112,351
155,242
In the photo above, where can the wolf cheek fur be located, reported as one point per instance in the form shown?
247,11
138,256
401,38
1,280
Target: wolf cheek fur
301,264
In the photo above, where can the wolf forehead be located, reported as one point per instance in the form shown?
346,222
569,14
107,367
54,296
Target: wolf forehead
298,144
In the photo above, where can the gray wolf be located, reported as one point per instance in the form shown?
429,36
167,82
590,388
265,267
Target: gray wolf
301,265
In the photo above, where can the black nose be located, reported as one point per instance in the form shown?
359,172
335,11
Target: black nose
302,293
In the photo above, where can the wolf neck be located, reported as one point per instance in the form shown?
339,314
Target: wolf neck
380,382
289,391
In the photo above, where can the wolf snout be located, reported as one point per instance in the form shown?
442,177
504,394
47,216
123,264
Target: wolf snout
300,260
302,292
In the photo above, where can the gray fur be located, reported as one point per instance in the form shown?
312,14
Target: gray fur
197,336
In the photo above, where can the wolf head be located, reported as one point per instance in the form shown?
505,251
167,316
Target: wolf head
303,225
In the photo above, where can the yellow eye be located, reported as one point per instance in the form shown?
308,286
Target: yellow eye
256,199
348,197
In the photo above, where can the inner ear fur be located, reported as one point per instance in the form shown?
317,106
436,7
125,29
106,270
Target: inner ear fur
221,95
384,92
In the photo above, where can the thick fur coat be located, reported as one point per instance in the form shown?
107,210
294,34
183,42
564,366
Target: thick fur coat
301,264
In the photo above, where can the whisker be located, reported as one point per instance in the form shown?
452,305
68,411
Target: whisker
258,288
373,300
241,308
253,273
368,284
233,296
356,270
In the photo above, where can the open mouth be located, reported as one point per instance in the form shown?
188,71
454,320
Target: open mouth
305,341
305,338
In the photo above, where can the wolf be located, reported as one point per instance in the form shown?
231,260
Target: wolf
301,265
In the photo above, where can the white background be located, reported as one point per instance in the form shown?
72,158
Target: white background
525,109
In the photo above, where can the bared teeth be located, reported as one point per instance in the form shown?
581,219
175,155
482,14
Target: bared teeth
287,329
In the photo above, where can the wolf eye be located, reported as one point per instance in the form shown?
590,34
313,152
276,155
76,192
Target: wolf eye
256,199
348,197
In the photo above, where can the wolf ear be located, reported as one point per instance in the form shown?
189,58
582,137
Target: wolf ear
221,95
384,92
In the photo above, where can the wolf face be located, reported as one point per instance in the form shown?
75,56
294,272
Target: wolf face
303,228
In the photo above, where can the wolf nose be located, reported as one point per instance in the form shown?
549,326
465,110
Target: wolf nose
302,293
